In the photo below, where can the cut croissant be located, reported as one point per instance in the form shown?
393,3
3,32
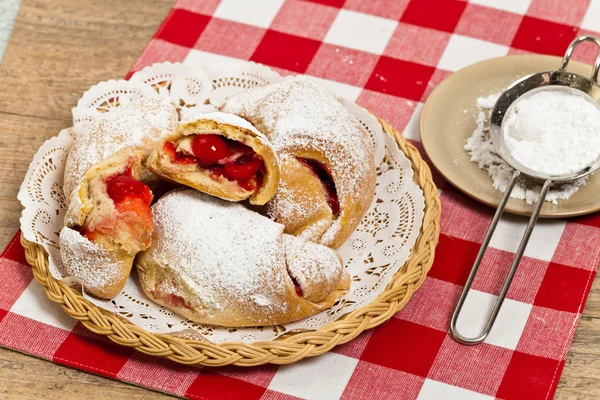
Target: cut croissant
219,154
216,262
108,220
108,223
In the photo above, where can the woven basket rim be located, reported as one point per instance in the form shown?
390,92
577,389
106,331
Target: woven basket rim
286,349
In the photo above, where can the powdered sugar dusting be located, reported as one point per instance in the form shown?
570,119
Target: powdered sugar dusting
219,247
300,117
140,123
312,266
93,265
482,152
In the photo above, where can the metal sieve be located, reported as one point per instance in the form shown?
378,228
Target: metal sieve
522,88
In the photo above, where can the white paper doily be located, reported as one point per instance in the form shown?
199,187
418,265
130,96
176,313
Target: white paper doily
372,254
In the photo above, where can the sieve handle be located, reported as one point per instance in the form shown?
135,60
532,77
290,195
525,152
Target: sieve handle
574,43
519,254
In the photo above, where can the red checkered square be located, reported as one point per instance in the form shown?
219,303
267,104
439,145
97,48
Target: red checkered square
417,44
305,19
286,51
463,217
167,376
543,37
589,220
207,7
213,386
3,313
436,14
259,376
548,333
494,269
342,64
230,38
355,347
432,305
29,336
14,251
462,366
159,51
333,3
586,52
454,258
399,78
404,346
438,76
579,242
15,278
92,355
391,9
395,110
563,288
563,12
274,395
183,27
489,24
529,377
371,381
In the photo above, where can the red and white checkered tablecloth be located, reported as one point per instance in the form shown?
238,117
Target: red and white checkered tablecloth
387,55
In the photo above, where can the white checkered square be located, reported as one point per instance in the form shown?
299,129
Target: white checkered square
434,390
256,12
348,92
411,131
361,31
591,20
208,60
509,325
463,51
542,244
515,6
323,377
34,305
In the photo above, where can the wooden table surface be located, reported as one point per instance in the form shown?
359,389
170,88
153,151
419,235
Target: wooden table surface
58,49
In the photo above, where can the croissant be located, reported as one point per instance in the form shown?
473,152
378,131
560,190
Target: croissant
219,154
326,158
108,224
108,220
219,263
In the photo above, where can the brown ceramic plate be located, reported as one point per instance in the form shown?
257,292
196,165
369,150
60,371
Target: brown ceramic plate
448,119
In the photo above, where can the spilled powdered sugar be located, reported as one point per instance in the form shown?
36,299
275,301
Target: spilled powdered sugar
483,153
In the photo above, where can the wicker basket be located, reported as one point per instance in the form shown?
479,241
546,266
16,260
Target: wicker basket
286,349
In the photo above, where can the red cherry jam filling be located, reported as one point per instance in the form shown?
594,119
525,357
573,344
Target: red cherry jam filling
297,286
130,196
223,157
324,174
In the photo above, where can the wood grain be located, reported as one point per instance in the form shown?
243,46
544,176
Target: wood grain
58,49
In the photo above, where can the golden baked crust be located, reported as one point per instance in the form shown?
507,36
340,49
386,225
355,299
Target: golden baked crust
304,121
194,176
219,263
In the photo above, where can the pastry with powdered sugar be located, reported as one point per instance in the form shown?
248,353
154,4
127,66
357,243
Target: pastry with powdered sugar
219,154
325,156
217,262
108,220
